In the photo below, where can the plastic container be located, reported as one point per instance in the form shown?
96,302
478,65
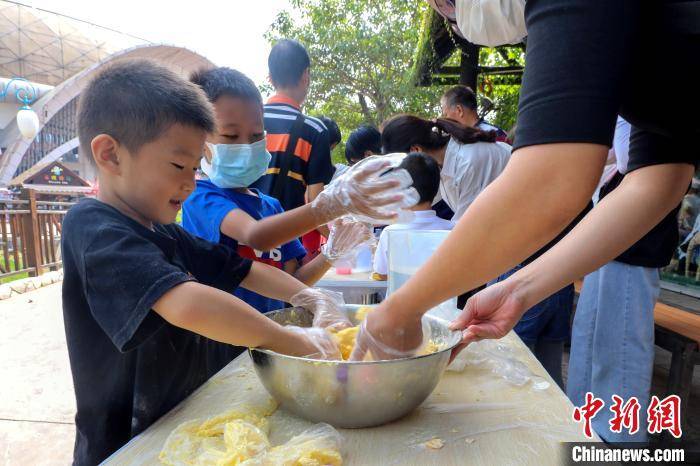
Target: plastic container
408,251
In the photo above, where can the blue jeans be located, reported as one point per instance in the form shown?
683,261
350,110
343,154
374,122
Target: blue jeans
612,346
545,327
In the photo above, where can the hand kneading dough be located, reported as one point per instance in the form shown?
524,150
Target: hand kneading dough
345,339
239,437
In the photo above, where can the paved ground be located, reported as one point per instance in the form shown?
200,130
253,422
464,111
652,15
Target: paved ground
37,404
36,392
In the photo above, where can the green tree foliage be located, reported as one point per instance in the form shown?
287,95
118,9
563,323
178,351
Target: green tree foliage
362,54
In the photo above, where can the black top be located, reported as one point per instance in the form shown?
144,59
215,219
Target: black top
129,365
311,162
588,61
656,248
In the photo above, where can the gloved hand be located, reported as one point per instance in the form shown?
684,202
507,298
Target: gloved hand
379,339
326,306
316,343
347,235
363,192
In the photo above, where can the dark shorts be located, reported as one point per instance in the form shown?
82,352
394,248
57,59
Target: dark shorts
587,62
548,320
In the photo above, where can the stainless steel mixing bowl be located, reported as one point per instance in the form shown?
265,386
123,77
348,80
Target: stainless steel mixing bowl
351,394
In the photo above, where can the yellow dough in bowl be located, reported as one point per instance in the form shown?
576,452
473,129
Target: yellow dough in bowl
345,339
362,312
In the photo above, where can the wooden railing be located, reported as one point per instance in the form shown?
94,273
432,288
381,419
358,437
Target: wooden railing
30,235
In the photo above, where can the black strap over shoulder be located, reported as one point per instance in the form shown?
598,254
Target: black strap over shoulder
286,162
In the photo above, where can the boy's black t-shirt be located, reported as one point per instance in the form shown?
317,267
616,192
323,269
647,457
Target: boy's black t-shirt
129,365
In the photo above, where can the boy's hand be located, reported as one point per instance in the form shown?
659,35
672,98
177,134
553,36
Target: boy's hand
309,342
364,192
326,306
346,236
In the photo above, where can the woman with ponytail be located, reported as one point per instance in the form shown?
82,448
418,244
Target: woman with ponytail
469,158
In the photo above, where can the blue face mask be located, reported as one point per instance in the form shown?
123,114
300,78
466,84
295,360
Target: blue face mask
236,165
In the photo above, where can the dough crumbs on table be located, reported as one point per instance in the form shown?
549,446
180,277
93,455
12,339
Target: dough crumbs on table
435,444
454,431
469,440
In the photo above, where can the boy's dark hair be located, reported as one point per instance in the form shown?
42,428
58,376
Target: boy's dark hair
334,134
287,62
136,101
216,82
363,139
425,173
461,95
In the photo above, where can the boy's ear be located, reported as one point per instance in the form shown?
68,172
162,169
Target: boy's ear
104,151
415,148
306,78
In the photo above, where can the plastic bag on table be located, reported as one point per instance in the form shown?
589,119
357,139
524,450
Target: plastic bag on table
237,434
319,445
499,358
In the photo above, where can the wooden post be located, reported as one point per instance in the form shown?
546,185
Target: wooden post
469,66
32,234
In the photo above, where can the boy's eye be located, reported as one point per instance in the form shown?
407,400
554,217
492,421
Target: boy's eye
179,167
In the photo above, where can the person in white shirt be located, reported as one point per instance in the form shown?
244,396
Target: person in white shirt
459,103
470,158
425,173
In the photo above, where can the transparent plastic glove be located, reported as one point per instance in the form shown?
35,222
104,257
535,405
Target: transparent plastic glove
320,343
328,307
347,235
372,191
396,343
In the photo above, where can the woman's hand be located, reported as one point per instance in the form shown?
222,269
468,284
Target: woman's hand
491,313
386,335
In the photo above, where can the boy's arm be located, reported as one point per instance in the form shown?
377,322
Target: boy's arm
272,282
222,317
309,273
326,306
269,232
312,192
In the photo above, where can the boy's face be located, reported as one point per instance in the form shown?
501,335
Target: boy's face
238,121
156,180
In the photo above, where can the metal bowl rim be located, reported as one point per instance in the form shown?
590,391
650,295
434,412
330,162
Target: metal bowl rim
355,363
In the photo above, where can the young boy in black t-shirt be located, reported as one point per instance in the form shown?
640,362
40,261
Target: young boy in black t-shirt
146,304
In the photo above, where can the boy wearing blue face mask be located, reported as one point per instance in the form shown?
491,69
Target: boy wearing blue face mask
223,209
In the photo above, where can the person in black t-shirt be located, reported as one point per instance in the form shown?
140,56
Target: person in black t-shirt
587,62
147,312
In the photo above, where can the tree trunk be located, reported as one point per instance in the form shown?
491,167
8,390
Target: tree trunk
365,108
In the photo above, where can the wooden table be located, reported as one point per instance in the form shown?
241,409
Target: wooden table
482,419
